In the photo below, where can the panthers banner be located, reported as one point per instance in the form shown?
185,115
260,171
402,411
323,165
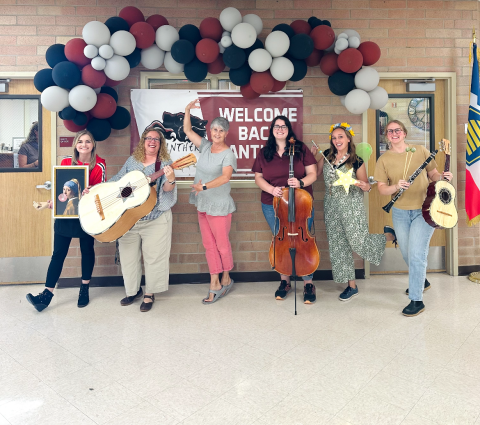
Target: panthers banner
249,119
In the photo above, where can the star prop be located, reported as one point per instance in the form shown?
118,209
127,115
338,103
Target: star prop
345,179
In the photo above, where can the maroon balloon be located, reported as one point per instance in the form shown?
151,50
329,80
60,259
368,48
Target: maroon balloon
93,78
156,21
217,65
370,52
132,15
211,28
144,34
329,63
105,106
248,92
314,58
323,37
278,85
74,52
111,83
350,60
301,27
262,82
207,50
71,126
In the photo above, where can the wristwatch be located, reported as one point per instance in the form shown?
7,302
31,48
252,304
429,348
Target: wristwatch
172,182
204,187
301,183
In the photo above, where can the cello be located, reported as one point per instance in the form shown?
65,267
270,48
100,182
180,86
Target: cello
293,251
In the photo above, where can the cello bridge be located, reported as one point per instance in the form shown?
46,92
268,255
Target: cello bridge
292,234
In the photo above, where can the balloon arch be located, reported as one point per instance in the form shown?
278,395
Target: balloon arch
78,84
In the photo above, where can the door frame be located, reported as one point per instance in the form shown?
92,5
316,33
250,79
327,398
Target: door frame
450,78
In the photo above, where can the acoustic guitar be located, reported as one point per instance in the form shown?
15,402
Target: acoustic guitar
439,206
111,209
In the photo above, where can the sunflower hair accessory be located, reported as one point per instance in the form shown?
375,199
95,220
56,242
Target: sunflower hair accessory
346,126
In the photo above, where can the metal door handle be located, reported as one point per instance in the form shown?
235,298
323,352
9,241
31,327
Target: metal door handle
47,185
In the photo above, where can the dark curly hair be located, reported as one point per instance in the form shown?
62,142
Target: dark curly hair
271,146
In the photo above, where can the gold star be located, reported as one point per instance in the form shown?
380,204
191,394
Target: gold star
345,179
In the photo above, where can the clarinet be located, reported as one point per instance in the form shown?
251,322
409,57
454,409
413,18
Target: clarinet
417,172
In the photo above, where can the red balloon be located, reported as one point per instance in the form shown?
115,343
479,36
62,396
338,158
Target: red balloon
217,65
207,50
132,15
323,37
105,106
262,82
156,21
74,52
301,27
314,58
111,83
248,92
370,52
144,34
350,60
93,78
329,63
278,85
71,126
211,28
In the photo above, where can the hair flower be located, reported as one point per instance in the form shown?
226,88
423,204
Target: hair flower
345,125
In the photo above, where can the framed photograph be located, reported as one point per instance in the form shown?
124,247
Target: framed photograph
68,185
17,142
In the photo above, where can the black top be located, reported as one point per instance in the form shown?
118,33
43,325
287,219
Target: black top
356,165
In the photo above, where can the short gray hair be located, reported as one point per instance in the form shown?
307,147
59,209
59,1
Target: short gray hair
220,122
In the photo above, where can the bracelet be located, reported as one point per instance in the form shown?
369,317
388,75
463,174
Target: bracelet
171,182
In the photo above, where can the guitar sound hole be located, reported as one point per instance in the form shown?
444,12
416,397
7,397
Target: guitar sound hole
445,196
126,192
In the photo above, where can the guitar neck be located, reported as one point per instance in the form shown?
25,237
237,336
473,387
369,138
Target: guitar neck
447,163
156,175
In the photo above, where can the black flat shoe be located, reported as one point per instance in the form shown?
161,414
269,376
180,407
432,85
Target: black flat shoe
388,229
147,306
414,308
131,299
426,287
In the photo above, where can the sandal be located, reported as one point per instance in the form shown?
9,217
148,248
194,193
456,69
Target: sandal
216,296
227,288
389,230
147,306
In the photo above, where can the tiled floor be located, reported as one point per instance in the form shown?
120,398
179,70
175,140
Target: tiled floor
245,359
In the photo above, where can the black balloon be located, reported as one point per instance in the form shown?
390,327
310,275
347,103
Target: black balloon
68,113
134,58
120,119
191,33
55,54
80,119
66,75
60,115
115,23
43,79
234,57
312,19
257,45
111,91
326,23
196,71
341,83
241,76
100,129
287,29
183,51
301,46
315,23
300,69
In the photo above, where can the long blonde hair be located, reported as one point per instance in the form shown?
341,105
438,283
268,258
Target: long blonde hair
139,152
93,154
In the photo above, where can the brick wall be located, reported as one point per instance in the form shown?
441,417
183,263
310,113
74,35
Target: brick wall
423,35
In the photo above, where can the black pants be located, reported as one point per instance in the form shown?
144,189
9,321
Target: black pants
60,250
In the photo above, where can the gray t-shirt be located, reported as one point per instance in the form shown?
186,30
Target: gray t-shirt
216,201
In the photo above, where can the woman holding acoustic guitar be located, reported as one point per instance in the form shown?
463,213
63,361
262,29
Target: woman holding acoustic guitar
151,236
393,169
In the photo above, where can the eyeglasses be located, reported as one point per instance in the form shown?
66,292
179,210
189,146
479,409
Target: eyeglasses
394,130
280,127
152,139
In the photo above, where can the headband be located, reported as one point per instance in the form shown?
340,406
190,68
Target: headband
347,127
73,186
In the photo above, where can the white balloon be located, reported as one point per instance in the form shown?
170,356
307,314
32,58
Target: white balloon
152,57
90,51
117,68
98,63
255,21
342,35
277,43
123,43
96,33
342,100
222,49
165,36
378,98
224,33
341,44
260,60
352,33
226,41
82,98
337,51
105,51
229,18
244,35
357,101
282,69
353,42
54,98
171,65
367,78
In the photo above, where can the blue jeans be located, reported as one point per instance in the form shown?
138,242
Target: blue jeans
413,234
269,214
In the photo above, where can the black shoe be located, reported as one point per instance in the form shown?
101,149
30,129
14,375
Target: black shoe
42,300
414,308
130,300
388,229
309,296
426,287
283,290
83,298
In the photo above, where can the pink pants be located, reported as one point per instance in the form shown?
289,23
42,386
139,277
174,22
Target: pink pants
215,230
